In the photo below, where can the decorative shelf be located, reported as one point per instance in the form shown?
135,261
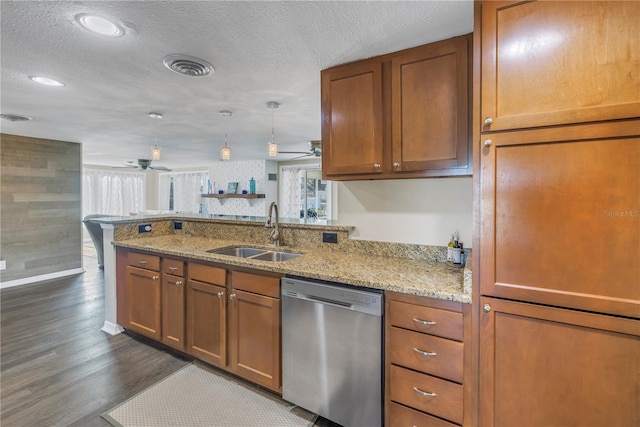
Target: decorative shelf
234,196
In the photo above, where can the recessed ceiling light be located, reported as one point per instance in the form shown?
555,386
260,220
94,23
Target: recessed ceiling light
99,25
155,115
46,81
15,117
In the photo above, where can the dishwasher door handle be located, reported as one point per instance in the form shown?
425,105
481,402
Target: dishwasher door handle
329,301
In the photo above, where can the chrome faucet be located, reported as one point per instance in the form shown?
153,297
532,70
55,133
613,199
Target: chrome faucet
274,236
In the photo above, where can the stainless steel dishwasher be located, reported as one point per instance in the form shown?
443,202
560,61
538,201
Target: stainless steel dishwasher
332,350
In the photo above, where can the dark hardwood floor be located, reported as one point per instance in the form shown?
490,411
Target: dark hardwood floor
57,368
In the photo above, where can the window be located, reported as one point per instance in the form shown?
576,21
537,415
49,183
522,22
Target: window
303,193
112,193
181,191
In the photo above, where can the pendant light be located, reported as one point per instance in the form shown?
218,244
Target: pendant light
225,152
155,151
272,145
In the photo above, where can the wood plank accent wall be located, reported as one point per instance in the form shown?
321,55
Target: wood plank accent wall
41,206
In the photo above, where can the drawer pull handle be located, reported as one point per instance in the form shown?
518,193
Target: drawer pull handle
424,353
142,261
423,322
424,393
173,268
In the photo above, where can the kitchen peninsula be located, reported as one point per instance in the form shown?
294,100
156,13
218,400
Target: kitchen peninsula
411,269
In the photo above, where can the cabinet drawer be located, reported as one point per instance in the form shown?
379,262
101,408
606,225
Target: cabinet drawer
432,355
207,274
148,262
268,286
443,323
173,267
408,387
401,416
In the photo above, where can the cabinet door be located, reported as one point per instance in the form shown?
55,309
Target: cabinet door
352,119
254,338
560,217
143,302
430,115
544,366
559,62
206,322
173,311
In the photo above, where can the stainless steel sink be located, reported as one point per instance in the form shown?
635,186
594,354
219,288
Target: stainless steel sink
276,256
254,253
239,251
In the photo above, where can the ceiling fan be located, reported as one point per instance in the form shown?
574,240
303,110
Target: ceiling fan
315,150
144,164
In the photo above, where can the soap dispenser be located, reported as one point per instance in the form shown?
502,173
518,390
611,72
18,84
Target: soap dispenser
252,186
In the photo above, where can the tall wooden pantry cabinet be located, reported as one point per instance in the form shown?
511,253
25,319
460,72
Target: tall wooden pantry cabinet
559,212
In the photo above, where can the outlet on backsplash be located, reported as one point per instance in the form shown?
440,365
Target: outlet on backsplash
144,228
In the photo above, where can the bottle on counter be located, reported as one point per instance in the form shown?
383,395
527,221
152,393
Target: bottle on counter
252,186
457,253
450,249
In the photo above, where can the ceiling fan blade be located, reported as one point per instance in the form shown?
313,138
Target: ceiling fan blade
300,157
160,168
293,152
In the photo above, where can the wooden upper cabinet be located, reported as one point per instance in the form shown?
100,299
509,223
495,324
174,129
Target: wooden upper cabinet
430,107
559,62
562,208
352,119
400,115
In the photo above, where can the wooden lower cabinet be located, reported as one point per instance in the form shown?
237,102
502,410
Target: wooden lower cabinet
425,361
545,366
143,296
207,313
173,303
254,329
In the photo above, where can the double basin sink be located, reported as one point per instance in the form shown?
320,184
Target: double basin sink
255,253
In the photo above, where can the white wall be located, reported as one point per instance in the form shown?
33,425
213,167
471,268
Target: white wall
421,211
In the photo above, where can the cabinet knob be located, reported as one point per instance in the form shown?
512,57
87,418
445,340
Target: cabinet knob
396,165
488,121
178,282
376,165
220,294
154,277
488,142
232,296
486,308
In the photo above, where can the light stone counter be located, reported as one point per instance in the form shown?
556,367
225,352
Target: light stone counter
410,276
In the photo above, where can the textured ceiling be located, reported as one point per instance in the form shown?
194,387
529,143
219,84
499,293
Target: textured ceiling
261,51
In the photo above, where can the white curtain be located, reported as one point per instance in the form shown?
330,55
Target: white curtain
187,190
112,193
290,192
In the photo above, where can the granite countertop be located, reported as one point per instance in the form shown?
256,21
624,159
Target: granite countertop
417,277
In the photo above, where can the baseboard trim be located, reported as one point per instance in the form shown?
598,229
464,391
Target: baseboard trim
41,278
112,328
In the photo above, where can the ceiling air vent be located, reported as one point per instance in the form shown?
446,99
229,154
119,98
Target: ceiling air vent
15,118
188,65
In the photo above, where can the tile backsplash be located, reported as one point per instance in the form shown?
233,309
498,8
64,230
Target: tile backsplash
241,172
